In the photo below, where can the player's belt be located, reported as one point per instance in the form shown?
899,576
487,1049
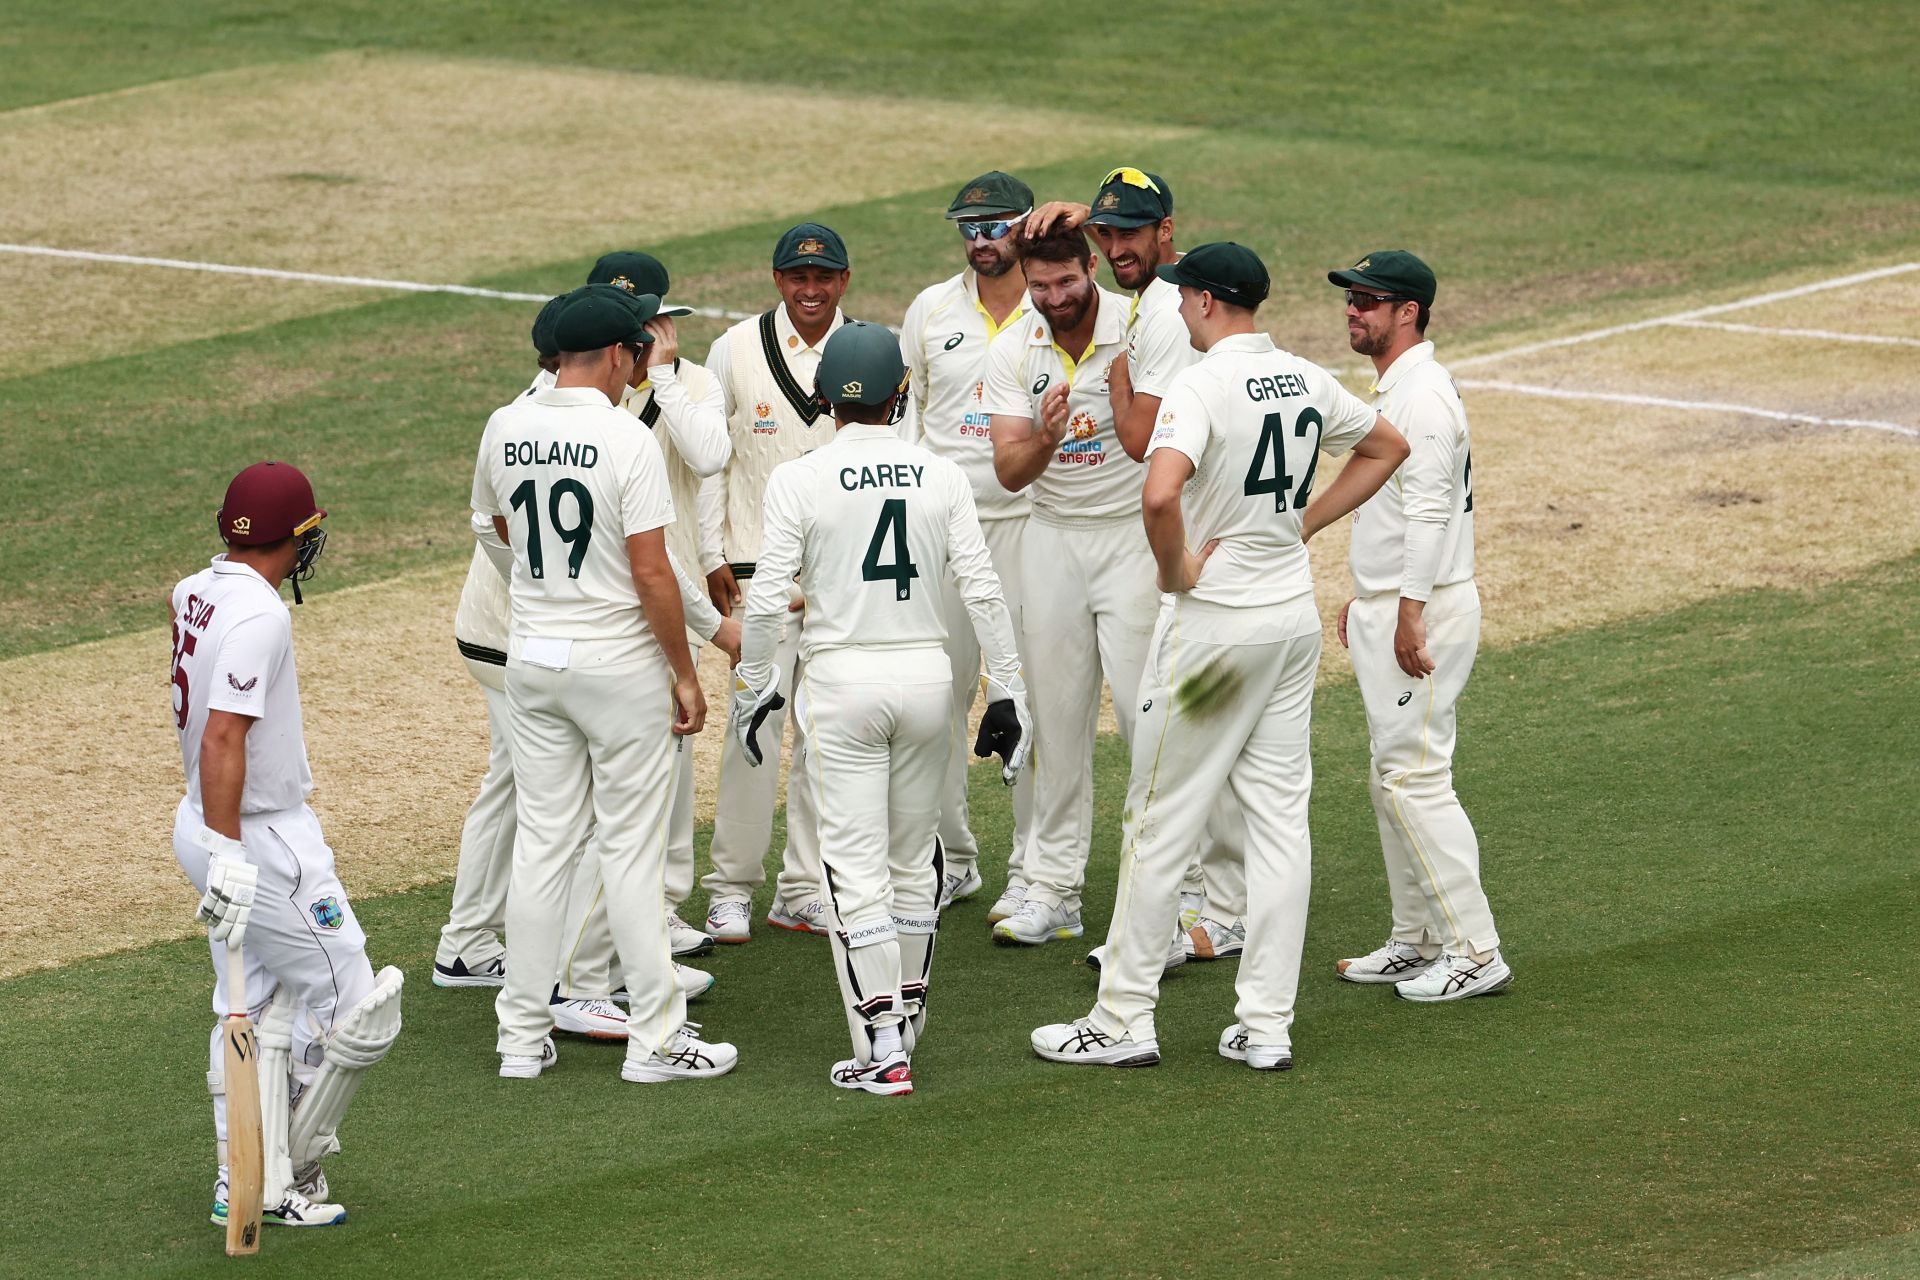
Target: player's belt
742,569
480,653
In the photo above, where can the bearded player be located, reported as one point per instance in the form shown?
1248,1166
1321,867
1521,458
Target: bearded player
247,840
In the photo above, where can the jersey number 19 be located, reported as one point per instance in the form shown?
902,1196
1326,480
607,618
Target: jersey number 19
576,535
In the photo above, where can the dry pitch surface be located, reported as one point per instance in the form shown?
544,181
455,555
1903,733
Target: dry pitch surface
1587,512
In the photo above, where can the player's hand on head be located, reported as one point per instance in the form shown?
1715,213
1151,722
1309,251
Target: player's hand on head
1006,730
665,347
1065,212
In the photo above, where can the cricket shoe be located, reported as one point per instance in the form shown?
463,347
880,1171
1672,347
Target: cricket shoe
310,1182
489,973
693,984
684,1057
685,940
1209,939
1191,905
1455,977
1007,903
1176,955
1261,1057
729,923
808,917
1395,962
1080,1042
890,1078
1036,923
594,1019
959,886
520,1066
295,1211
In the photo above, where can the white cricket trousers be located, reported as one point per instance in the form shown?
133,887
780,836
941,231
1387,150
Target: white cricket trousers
588,954
877,724
479,909
961,849
744,803
1426,839
1228,703
302,933
1089,611
593,751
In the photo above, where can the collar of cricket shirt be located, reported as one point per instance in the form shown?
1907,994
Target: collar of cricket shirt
1417,354
791,343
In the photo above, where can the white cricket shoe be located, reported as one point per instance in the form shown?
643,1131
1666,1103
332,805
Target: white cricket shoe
1209,939
729,922
685,940
1036,923
1176,955
890,1078
483,973
1007,903
1455,977
1395,962
805,917
693,982
1079,1042
1191,905
1261,1057
685,1057
959,886
518,1066
595,1019
295,1211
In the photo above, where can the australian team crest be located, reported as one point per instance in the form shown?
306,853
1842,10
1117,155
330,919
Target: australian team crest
327,913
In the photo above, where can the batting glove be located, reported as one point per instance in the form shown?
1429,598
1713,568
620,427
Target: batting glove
751,708
1006,729
227,904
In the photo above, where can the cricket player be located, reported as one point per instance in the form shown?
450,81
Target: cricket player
1228,693
247,840
1411,629
470,953
1086,567
766,369
1131,221
944,339
599,682
872,525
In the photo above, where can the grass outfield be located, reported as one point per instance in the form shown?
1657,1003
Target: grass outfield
1699,1070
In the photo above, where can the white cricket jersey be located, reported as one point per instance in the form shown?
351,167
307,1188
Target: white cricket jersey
574,480
872,525
1254,419
1090,476
233,651
1416,532
944,340
1158,344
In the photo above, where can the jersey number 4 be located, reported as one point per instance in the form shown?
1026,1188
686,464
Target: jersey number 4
576,535
902,572
1273,445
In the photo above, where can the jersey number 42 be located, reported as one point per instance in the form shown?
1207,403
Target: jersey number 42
1273,445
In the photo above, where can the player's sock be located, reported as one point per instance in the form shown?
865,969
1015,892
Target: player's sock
886,1041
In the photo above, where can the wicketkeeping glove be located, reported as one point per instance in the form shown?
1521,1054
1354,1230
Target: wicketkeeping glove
1006,729
227,904
751,708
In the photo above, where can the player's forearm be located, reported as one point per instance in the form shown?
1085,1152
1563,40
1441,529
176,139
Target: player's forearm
1020,454
1425,541
1373,463
760,631
659,591
711,509
1134,426
223,776
698,429
1166,534
499,554
702,618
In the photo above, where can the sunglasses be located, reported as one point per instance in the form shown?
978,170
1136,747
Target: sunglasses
971,231
1368,301
1133,178
638,350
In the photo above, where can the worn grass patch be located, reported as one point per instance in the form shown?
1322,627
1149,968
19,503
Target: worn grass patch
423,168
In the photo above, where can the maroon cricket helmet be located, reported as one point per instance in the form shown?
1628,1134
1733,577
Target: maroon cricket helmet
266,503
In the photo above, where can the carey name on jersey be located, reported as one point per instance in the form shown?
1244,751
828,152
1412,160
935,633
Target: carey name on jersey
551,453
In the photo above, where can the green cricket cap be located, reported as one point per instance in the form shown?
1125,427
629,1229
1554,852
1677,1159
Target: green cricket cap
543,343
810,245
636,273
1390,271
990,195
861,364
1230,272
599,315
1130,197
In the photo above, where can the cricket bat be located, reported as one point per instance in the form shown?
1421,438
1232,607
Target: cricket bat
245,1154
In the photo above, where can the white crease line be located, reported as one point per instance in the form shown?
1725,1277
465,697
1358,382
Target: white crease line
358,282
1698,406
1825,335
1700,313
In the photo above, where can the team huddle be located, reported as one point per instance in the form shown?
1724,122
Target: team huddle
1036,485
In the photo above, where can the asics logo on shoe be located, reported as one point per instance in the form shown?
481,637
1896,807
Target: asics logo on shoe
1087,1038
